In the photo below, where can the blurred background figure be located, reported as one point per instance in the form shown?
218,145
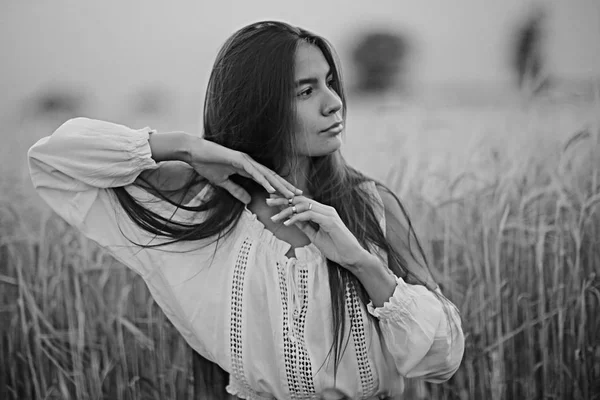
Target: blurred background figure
530,64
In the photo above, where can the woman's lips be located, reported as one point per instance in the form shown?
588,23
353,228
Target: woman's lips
335,128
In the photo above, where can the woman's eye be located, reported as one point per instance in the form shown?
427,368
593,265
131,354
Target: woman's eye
305,93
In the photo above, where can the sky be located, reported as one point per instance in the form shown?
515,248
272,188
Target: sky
113,47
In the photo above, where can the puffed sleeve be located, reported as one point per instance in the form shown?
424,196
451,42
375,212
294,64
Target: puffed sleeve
422,332
73,170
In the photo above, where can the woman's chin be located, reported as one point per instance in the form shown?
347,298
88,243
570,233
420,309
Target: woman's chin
324,152
323,147
331,145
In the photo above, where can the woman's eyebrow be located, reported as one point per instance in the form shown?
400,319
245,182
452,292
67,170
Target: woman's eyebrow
311,80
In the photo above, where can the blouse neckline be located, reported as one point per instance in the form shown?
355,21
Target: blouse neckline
305,253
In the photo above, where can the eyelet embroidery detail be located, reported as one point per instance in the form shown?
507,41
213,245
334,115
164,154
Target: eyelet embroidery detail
305,368
297,362
235,332
360,343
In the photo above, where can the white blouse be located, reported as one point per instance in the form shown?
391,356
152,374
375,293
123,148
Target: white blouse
263,317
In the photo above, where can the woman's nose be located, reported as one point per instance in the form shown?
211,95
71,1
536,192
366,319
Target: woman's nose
333,103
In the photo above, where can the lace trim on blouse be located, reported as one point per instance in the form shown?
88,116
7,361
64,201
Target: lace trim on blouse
365,369
235,333
298,368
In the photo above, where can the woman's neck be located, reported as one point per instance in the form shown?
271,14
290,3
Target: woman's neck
299,175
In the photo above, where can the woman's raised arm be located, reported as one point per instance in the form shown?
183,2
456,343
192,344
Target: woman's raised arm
73,170
83,155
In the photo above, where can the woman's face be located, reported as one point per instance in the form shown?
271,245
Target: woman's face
318,106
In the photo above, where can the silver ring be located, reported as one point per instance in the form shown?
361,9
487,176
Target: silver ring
290,201
294,210
309,206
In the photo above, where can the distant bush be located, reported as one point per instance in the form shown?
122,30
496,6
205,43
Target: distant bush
58,101
379,58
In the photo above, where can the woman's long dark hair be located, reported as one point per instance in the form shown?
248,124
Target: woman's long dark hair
249,107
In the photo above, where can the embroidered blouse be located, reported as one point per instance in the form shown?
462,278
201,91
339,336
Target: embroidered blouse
264,317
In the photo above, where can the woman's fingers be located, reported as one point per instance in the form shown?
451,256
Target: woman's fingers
265,177
301,212
277,201
293,190
236,191
282,186
299,203
301,206
307,216
248,167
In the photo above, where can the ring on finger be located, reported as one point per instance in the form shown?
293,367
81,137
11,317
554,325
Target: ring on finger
294,210
309,206
290,201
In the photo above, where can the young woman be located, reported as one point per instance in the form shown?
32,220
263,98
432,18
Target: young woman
275,259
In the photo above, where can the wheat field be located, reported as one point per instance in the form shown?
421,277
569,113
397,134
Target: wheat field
506,201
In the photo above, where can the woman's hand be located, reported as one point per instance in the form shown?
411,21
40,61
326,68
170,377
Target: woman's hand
217,163
332,237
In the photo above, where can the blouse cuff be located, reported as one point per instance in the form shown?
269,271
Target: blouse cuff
140,148
398,305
